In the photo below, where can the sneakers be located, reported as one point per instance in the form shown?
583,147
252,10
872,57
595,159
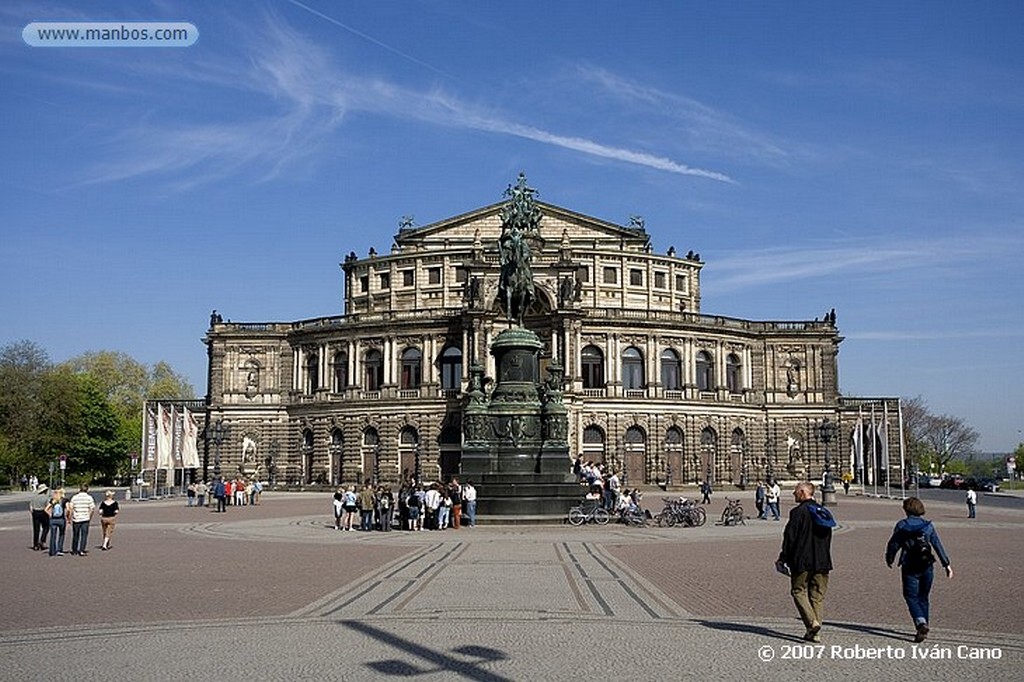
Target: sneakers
922,632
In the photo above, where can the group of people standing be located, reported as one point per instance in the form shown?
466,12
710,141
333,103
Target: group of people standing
224,492
806,557
52,511
415,506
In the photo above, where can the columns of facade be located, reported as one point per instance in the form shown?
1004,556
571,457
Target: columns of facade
297,369
322,369
388,360
429,360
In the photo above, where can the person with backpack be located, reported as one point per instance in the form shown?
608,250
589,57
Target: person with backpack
58,512
915,538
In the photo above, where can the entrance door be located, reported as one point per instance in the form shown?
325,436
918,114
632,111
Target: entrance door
635,464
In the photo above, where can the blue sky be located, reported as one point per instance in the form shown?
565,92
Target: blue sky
862,156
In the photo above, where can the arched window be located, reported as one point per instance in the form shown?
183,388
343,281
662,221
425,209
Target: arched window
374,370
733,375
705,372
412,368
451,368
312,372
671,370
592,365
340,371
632,369
371,455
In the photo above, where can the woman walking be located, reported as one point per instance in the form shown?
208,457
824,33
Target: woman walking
915,537
109,509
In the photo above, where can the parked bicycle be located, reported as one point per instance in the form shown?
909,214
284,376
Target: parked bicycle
634,516
733,513
680,511
588,513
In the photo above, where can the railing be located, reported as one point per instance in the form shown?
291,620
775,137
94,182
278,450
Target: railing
409,393
595,392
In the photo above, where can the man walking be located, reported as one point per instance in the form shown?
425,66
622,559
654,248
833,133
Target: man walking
771,497
972,502
82,508
806,556
705,491
759,499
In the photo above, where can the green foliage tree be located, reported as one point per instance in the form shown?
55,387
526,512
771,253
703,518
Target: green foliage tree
88,408
940,443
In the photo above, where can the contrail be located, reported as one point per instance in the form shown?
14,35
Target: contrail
370,38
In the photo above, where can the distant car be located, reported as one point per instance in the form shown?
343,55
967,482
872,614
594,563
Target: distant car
955,482
929,481
986,484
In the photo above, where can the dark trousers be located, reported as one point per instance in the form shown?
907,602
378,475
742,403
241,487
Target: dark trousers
222,504
40,528
79,537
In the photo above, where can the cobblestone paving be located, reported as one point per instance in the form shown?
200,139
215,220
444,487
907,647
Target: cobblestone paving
273,592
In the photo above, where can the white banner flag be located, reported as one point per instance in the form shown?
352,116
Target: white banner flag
189,448
164,438
858,444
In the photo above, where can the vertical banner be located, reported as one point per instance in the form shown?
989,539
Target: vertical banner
164,437
149,450
189,447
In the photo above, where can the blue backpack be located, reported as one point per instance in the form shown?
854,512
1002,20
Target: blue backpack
821,516
57,510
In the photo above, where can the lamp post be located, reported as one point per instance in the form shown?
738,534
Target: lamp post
218,432
826,434
417,465
769,452
275,448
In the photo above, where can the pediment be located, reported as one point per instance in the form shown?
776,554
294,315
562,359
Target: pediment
485,224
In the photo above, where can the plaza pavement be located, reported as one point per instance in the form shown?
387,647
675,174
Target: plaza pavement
273,593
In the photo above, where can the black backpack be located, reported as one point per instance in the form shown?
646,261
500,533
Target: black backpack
917,552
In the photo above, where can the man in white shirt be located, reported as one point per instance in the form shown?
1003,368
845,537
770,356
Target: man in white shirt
771,497
469,502
972,501
432,501
82,508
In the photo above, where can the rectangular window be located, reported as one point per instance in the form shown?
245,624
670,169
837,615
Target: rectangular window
385,280
680,282
460,275
408,278
611,276
636,277
364,284
659,280
583,274
434,276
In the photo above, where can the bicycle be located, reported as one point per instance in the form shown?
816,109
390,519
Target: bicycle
680,511
633,516
733,513
585,513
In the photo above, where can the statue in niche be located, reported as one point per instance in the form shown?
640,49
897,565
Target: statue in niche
795,460
792,377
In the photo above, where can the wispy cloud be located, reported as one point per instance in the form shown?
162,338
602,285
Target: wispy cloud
309,97
754,268
941,335
701,126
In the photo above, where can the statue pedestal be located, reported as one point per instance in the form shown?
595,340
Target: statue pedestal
515,451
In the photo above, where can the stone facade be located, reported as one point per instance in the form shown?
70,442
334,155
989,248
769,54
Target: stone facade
652,385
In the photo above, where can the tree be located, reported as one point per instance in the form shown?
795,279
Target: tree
124,380
22,367
950,438
166,384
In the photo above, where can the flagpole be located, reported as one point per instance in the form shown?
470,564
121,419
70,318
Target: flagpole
903,460
885,446
874,449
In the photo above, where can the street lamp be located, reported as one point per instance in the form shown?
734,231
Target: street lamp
827,431
769,455
218,433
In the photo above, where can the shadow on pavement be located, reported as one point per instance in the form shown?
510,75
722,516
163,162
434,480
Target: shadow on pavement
442,662
749,629
872,630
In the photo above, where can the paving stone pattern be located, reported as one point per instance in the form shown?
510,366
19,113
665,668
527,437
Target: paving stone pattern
273,592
